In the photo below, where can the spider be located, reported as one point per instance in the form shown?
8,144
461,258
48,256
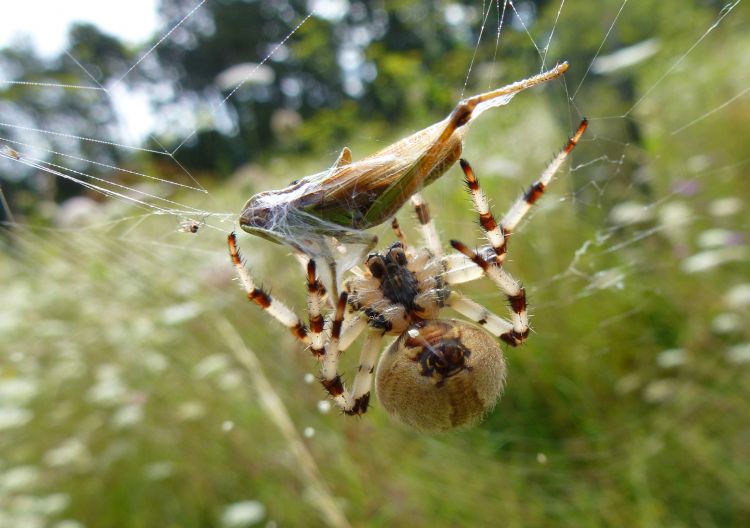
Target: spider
438,374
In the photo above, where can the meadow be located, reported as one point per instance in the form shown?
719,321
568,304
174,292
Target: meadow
139,388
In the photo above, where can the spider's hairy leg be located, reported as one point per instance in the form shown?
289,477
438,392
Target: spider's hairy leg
315,293
329,375
363,380
522,206
493,323
513,290
275,309
353,327
495,233
429,232
398,232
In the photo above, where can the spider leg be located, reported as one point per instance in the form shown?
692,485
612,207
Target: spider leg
493,323
363,380
353,327
356,401
427,225
522,206
399,234
329,375
460,269
275,309
495,233
315,293
509,286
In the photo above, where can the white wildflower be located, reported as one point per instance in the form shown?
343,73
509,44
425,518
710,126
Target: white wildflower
673,357
154,362
68,523
713,238
738,296
180,313
674,218
159,470
230,381
725,206
109,389
71,452
127,416
11,417
739,353
19,478
17,391
210,365
726,323
245,513
659,391
191,411
627,213
707,260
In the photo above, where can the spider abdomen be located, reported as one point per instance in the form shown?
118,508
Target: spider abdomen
443,375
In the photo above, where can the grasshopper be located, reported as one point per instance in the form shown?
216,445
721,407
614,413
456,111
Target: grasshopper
324,216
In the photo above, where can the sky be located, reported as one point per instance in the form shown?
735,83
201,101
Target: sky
46,22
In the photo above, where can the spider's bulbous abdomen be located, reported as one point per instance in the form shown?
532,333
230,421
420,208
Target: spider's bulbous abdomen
447,376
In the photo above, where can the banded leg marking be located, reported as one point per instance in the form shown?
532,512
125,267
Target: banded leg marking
510,287
427,225
522,206
275,308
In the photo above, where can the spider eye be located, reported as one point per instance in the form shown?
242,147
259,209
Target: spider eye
397,254
376,266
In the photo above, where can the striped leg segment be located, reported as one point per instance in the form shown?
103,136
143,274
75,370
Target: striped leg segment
397,231
510,287
495,233
329,375
363,380
356,401
276,309
493,323
535,191
315,293
429,231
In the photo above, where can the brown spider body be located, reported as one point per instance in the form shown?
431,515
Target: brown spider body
438,374
448,377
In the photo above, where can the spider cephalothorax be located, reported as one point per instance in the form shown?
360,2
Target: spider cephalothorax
438,374
400,288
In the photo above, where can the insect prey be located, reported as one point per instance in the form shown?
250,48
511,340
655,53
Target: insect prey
324,216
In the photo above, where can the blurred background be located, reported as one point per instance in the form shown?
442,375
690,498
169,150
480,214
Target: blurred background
139,388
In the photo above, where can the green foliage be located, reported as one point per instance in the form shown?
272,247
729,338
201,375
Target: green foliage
122,404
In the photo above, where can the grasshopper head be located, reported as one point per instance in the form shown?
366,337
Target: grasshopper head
261,218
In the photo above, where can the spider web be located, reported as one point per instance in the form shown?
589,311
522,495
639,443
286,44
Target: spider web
654,190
